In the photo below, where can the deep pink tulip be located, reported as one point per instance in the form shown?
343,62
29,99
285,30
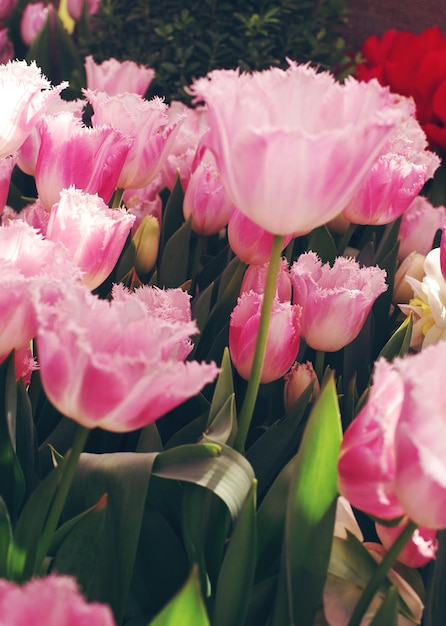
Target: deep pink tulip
255,279
293,146
419,551
335,300
251,243
393,456
6,46
50,601
146,123
419,226
90,159
113,365
6,8
33,20
6,167
92,233
26,94
75,7
114,77
283,336
396,177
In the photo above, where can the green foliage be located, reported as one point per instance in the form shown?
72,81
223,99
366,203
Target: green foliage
188,38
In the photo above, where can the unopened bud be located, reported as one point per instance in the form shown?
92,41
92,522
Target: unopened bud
296,381
146,241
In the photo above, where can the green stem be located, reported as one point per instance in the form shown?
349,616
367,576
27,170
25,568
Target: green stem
346,238
69,467
380,574
247,410
116,200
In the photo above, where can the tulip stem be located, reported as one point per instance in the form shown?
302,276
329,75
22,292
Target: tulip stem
380,574
247,410
69,467
319,362
116,200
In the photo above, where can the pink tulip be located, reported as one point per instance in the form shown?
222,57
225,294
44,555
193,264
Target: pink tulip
392,459
396,177
419,551
51,601
26,262
283,336
412,267
90,159
146,123
419,226
6,46
33,20
26,94
293,146
6,8
75,7
114,77
145,201
92,233
255,279
251,243
6,167
296,382
335,300
113,365
206,201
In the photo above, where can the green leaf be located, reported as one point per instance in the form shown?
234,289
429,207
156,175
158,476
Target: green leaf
173,267
323,244
222,421
224,387
5,537
173,217
310,517
387,615
236,575
186,608
399,342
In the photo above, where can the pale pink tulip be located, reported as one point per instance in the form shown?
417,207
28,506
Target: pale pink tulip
114,77
146,123
255,279
283,336
6,167
419,226
75,7
6,46
26,94
90,159
293,146
419,551
51,601
92,233
296,382
27,261
396,177
206,200
251,243
33,20
335,300
112,365
412,267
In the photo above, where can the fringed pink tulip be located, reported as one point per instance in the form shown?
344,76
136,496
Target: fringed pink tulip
51,601
90,159
392,459
92,233
251,243
145,122
283,336
26,94
114,77
255,279
419,551
335,300
113,365
419,226
292,146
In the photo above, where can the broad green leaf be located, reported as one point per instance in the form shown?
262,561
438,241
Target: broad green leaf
149,439
126,262
323,244
201,305
236,575
26,447
387,613
261,601
186,608
5,537
399,342
223,427
224,387
173,217
173,266
310,515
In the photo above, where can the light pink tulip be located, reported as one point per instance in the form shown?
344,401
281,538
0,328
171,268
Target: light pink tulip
418,227
335,300
293,146
255,279
27,261
251,243
51,601
92,233
206,200
26,94
75,7
113,365
396,177
296,381
412,267
33,20
393,456
419,551
90,159
6,167
283,336
146,123
114,77
6,46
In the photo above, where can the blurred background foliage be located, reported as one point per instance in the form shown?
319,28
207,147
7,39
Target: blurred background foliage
183,39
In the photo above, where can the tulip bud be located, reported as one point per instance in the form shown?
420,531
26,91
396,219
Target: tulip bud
413,266
255,278
296,381
146,242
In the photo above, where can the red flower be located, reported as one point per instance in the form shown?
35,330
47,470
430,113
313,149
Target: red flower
412,65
